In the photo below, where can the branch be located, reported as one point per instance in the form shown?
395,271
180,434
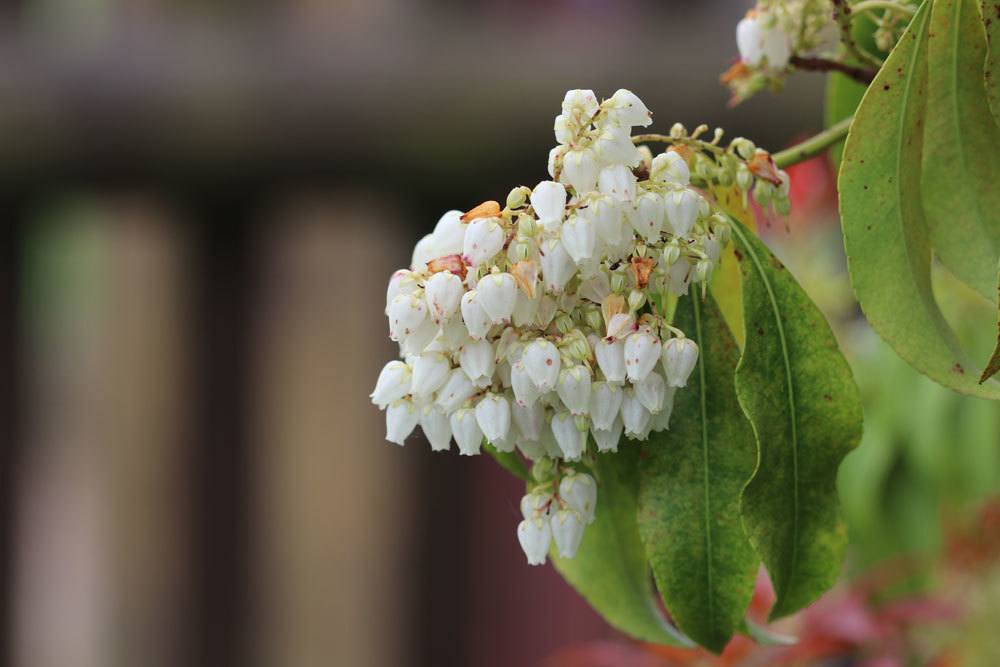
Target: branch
861,74
812,146
842,15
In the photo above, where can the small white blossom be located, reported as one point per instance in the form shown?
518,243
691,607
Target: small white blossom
574,389
478,361
642,351
465,429
406,313
535,535
430,371
443,292
557,265
401,282
394,382
457,389
611,360
759,39
648,217
541,361
618,182
484,238
423,252
535,504
567,531
661,420
497,294
570,439
579,238
680,355
580,169
607,439
449,234
579,491
651,391
526,392
400,419
635,416
529,420
670,167
434,423
626,108
682,210
605,403
493,416
477,320
548,199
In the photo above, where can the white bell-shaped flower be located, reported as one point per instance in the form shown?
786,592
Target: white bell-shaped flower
607,439
536,503
611,359
613,145
436,427
484,238
579,491
466,431
651,391
648,217
605,213
542,362
449,234
565,128
526,392
497,294
760,40
443,292
567,531
420,339
574,389
406,313
493,416
557,265
626,108
548,440
680,355
580,169
617,181
477,320
635,416
682,210
478,360
424,251
525,309
457,389
580,103
535,535
400,419
529,419
532,449
570,439
401,282
670,167
595,289
394,382
579,238
642,351
548,199
430,371
605,403
661,420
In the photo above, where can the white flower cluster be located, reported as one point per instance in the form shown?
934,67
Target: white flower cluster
558,516
771,33
533,325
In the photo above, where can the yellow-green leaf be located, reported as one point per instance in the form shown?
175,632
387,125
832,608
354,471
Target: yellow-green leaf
993,365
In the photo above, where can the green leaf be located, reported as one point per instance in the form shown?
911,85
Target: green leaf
798,392
610,569
888,251
843,94
991,71
689,487
994,363
509,461
961,165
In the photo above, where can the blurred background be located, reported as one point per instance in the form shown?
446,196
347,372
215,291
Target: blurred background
200,206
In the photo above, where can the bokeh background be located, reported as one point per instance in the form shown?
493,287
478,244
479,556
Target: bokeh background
200,205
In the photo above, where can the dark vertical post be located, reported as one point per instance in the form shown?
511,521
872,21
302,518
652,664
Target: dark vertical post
221,284
10,387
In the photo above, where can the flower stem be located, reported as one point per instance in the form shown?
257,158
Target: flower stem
859,74
895,7
812,146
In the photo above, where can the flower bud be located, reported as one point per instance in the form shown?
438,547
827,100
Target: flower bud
579,238
744,179
744,148
518,196
670,167
406,313
400,419
648,216
682,210
678,131
484,238
564,323
535,535
671,253
679,358
465,429
703,270
763,192
476,319
548,199
626,108
541,361
535,504
557,265
593,318
580,169
636,300
493,416
393,383
617,282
